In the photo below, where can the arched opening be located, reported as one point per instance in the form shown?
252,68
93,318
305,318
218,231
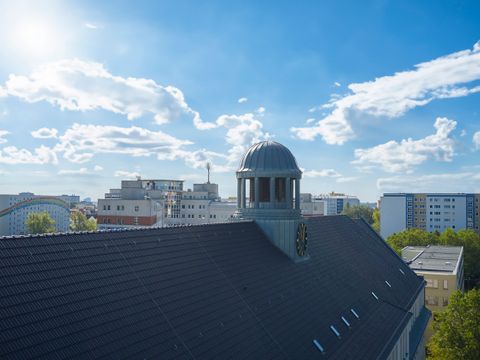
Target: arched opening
280,189
264,189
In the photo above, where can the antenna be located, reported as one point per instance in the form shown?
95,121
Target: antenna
209,166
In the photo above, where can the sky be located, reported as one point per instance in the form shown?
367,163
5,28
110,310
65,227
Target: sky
370,97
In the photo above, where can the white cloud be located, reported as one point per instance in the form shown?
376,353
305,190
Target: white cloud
41,155
337,84
321,173
403,156
97,168
463,132
44,133
81,171
392,96
446,182
78,85
242,100
126,174
2,134
81,142
346,179
309,121
476,140
261,110
90,26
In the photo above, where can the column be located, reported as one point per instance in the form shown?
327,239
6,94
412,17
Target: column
288,193
297,193
272,191
243,201
257,191
239,193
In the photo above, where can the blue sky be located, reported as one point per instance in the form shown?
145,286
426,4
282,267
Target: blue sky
371,97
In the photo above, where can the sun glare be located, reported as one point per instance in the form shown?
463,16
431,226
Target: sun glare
34,38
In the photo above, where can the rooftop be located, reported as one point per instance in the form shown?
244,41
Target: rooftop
433,258
210,291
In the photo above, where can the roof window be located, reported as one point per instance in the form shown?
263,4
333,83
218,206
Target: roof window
345,321
318,345
354,313
386,282
334,330
374,295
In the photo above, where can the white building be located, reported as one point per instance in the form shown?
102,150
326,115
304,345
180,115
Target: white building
326,204
14,210
430,212
162,203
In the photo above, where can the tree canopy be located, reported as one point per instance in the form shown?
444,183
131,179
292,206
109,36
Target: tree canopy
79,222
457,328
359,211
469,239
40,223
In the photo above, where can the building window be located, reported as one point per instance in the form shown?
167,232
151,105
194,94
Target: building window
445,301
104,207
445,284
108,207
136,208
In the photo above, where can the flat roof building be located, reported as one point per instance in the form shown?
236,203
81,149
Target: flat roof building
442,269
429,212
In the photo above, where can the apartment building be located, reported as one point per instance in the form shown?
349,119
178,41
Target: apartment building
326,204
428,211
15,208
442,269
160,202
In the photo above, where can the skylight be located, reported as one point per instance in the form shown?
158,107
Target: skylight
386,282
354,313
401,271
334,330
318,345
345,321
374,295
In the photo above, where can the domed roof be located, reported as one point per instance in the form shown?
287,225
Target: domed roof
269,158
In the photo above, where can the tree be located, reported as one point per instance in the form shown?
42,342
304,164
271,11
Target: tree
40,223
457,328
467,238
376,220
79,222
359,211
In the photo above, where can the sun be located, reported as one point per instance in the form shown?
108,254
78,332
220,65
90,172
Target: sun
34,37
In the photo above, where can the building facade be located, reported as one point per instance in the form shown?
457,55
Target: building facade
326,204
14,211
162,202
429,212
442,269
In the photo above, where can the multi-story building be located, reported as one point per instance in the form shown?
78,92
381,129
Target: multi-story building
326,204
14,210
428,211
442,269
162,203
70,199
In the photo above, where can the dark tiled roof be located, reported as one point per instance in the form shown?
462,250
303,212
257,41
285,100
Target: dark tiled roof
202,292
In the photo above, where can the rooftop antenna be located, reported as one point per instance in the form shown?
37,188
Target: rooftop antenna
208,171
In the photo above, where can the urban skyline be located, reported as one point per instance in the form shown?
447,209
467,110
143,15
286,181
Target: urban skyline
94,93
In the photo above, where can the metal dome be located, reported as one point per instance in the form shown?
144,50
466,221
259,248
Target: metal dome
268,158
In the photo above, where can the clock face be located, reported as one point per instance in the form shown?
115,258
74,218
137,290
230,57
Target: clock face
301,241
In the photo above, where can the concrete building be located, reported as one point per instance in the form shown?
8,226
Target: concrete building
442,269
270,285
14,210
326,204
162,203
428,211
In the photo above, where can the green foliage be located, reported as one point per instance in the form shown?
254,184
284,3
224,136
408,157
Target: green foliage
469,239
376,220
359,211
457,328
79,222
40,223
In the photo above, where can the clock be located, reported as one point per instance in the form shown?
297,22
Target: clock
301,242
